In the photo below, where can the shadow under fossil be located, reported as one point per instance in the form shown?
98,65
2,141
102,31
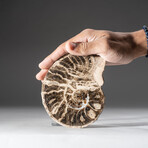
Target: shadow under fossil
117,122
121,122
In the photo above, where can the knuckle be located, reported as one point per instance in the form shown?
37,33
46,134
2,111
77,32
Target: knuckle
87,31
104,34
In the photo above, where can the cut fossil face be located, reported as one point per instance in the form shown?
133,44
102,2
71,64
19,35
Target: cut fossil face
71,90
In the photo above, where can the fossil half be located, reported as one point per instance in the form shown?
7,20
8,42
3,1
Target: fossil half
71,90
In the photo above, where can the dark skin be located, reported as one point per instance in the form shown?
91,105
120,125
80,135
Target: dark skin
116,48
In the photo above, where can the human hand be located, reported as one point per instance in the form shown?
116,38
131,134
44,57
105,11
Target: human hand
116,48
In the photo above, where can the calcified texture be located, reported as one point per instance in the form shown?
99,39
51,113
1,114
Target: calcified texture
71,90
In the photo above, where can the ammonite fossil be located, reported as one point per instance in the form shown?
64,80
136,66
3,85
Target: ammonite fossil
71,90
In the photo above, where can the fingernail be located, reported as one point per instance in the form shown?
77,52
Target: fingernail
40,65
37,76
73,45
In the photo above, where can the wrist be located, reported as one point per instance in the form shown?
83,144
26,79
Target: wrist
140,40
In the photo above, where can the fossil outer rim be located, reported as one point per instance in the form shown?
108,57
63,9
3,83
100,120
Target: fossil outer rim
82,117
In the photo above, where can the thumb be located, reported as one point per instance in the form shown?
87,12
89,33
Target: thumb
82,48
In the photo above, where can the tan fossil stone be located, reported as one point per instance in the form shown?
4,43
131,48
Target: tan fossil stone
71,90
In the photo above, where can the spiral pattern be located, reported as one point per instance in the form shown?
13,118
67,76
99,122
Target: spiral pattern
71,92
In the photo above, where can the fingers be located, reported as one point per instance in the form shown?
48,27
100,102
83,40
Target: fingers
55,55
41,74
78,45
